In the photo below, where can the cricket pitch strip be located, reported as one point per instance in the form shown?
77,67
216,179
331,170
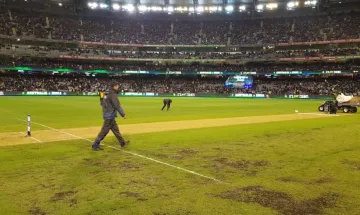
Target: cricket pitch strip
43,136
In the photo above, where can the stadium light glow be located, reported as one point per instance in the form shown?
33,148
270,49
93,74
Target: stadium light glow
191,9
219,9
103,6
129,7
170,9
156,8
291,5
93,5
213,9
242,8
271,6
310,3
181,9
60,4
229,8
259,7
142,8
116,6
200,9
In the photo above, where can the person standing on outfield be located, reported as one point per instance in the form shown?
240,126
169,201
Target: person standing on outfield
167,102
110,106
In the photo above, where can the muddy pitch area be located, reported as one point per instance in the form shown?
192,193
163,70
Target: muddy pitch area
43,136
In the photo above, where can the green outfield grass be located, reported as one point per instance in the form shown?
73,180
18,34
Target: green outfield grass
67,112
293,167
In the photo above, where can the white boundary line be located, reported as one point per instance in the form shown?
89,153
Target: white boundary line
31,137
319,114
132,153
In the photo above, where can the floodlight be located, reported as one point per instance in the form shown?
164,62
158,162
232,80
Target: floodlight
60,4
191,9
242,8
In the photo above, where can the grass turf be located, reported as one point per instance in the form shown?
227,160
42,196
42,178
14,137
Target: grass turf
72,112
294,167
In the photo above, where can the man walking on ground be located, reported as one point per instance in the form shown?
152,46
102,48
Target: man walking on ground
167,102
110,106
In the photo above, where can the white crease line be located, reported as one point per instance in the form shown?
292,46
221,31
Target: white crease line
132,153
31,137
319,114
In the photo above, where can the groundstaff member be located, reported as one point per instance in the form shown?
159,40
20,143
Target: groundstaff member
110,106
167,102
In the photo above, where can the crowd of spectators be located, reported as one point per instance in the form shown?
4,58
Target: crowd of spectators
308,87
131,31
248,55
182,84
127,84
353,65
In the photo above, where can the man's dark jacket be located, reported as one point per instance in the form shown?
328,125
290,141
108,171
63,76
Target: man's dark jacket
111,105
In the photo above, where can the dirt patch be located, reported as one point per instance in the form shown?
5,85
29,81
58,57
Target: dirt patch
323,180
62,195
354,164
172,157
15,138
182,212
141,199
43,186
130,194
129,166
288,179
187,152
241,164
36,211
73,202
281,201
139,183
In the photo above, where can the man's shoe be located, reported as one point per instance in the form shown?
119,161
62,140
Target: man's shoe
125,144
98,148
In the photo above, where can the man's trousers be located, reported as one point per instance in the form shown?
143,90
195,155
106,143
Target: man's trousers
109,124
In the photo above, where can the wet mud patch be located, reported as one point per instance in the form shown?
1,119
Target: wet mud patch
280,201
